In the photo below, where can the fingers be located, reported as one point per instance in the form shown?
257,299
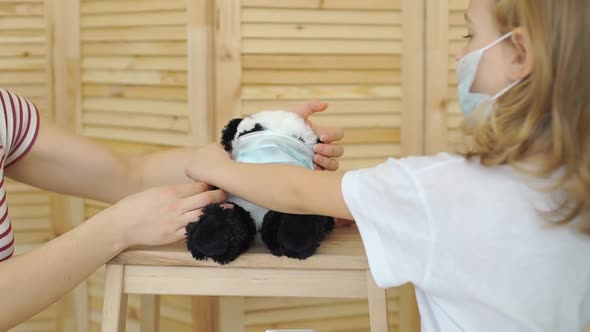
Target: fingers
343,222
189,189
180,235
326,163
309,108
190,216
195,215
203,199
328,135
329,150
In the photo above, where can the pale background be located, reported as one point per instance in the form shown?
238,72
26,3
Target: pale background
145,75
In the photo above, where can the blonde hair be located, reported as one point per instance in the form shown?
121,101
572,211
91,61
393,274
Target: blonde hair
547,115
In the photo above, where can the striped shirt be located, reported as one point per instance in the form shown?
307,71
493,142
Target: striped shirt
19,126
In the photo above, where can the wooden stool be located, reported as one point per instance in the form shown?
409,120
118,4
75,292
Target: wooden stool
338,270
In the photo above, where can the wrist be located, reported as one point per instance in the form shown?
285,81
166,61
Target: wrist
116,227
214,174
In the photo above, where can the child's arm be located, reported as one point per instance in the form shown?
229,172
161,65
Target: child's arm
282,188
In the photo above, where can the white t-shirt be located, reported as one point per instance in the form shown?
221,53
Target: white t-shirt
473,242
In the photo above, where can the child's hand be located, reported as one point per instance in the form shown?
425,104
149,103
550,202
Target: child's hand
326,152
344,222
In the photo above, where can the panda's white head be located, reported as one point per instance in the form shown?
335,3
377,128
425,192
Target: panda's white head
280,122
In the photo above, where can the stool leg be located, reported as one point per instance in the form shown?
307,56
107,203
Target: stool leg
377,305
231,314
150,313
114,310
205,312
409,315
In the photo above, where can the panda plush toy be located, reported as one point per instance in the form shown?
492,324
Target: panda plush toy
222,234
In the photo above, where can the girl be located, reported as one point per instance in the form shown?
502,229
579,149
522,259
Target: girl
494,240
47,157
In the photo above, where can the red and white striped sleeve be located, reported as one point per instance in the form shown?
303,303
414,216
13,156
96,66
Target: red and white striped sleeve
19,126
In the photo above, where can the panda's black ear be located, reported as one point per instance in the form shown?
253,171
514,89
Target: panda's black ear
228,133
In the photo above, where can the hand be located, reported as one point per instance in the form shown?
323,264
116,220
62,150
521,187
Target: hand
326,152
158,216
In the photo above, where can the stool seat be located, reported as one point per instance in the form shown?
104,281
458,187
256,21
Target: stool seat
342,249
339,269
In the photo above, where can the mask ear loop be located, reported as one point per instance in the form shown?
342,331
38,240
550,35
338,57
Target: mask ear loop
498,41
500,94
494,43
488,109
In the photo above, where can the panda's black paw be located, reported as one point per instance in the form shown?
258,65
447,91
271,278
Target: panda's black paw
220,234
294,236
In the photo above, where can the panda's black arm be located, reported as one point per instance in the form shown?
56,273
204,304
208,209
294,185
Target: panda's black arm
283,188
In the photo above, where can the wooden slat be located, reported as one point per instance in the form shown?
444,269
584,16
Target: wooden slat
144,33
136,135
17,8
22,50
321,91
29,91
166,78
326,4
268,77
28,198
176,17
321,312
366,4
412,79
24,77
33,237
282,4
174,63
42,224
336,61
373,150
126,6
200,85
166,123
328,46
228,48
335,106
371,135
22,36
22,64
170,108
138,92
437,53
29,211
22,22
320,31
254,304
269,15
359,121
133,48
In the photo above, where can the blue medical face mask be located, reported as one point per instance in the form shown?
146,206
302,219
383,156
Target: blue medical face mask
266,147
466,72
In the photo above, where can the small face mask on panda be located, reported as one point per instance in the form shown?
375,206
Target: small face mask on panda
272,148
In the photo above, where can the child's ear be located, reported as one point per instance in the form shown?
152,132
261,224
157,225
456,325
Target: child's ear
523,61
228,133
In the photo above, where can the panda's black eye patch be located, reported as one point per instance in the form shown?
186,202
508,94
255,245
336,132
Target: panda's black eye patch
257,127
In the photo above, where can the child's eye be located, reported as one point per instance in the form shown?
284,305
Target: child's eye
468,36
